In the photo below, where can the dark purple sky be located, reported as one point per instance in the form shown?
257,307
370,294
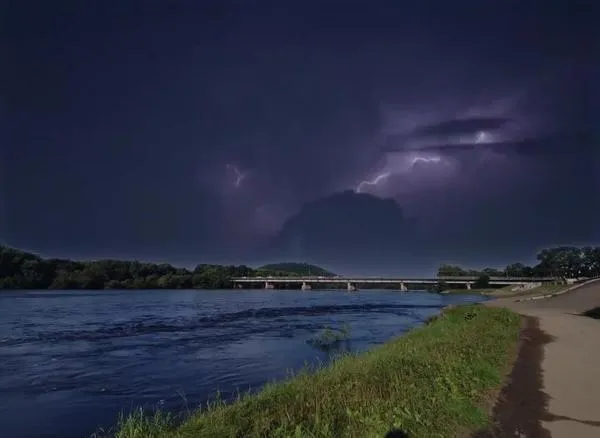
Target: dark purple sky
189,131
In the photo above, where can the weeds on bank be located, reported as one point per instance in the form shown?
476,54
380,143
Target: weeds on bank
143,424
331,338
428,383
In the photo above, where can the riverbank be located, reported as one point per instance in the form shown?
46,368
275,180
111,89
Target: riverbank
509,291
434,381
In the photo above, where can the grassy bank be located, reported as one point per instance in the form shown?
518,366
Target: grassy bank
428,383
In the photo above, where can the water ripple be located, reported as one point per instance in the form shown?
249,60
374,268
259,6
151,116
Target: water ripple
151,324
70,361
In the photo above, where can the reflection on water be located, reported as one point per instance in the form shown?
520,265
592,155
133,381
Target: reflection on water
70,361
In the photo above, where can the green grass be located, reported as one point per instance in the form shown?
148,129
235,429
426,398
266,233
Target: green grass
330,338
432,382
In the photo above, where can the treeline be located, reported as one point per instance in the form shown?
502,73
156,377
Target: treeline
22,270
299,269
564,262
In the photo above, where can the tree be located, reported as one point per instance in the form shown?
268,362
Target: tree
516,270
22,270
493,272
451,271
483,282
563,261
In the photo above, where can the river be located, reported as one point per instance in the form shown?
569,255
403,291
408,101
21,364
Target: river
70,361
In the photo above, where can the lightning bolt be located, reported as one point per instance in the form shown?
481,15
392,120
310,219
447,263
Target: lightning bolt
425,160
372,182
239,175
386,174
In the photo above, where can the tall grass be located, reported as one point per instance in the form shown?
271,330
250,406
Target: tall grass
143,424
331,338
429,383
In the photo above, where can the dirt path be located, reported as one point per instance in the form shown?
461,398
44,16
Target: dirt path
522,403
554,388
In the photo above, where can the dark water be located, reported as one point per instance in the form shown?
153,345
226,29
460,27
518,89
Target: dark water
70,361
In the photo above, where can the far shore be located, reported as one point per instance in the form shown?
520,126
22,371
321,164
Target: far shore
508,291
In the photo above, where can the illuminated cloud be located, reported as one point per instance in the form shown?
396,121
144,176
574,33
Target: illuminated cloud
462,126
238,175
483,137
246,122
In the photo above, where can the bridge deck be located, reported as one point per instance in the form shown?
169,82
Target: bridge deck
418,280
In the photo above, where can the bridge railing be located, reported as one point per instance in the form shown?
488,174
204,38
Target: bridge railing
391,279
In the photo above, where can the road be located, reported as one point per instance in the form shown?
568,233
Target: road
581,299
554,388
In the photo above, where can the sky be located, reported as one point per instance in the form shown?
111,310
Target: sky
194,132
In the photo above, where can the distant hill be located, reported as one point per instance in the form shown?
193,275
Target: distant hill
291,268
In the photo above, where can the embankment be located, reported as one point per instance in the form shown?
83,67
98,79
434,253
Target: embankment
433,381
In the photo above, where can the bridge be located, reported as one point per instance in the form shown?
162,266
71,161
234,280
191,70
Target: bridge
352,283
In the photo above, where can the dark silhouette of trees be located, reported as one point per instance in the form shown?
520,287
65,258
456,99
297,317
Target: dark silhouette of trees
22,270
451,271
300,269
482,282
563,261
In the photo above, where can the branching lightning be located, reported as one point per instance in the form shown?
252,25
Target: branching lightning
394,168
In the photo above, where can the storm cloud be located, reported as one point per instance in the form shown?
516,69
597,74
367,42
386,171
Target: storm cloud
191,131
464,126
